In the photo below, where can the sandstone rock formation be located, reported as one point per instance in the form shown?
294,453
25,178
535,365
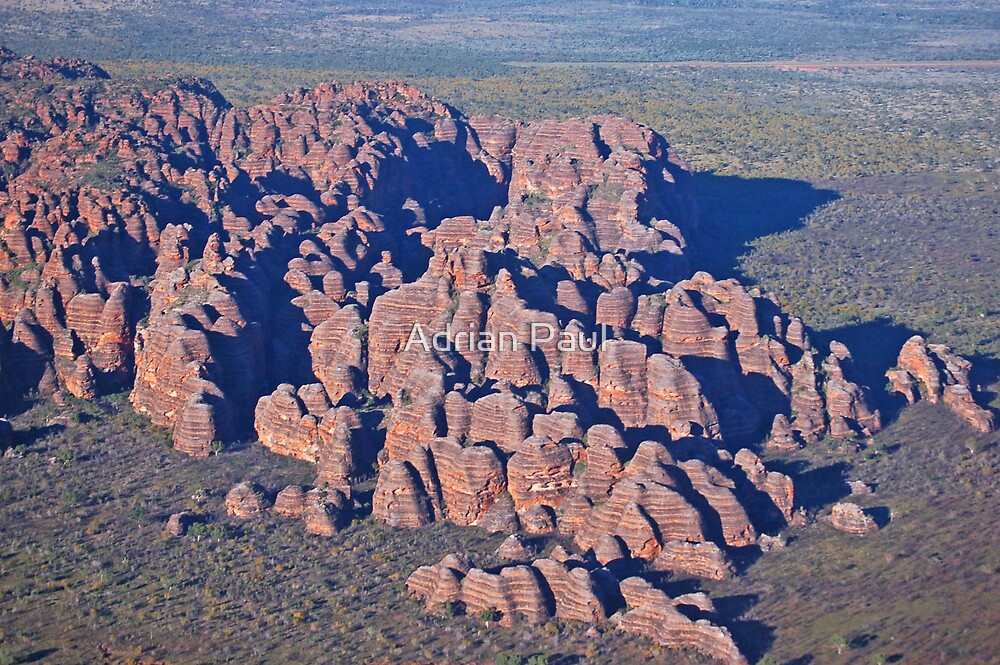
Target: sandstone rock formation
400,498
323,518
515,548
851,518
285,424
933,372
696,559
178,524
654,616
502,315
601,202
246,501
290,502
549,589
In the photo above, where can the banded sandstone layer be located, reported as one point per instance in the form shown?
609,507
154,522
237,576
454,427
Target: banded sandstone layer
263,268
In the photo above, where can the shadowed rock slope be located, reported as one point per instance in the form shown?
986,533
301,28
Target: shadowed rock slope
502,315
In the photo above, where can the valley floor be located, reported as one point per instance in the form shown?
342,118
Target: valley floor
85,572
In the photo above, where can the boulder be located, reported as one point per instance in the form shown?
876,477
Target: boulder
246,501
515,548
290,502
851,518
400,499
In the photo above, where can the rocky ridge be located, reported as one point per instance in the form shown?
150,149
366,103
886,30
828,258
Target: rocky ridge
261,272
568,590
933,372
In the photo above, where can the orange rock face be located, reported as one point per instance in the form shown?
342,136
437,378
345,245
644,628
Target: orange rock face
549,589
656,617
246,501
400,499
539,473
502,315
850,517
283,288
290,502
933,372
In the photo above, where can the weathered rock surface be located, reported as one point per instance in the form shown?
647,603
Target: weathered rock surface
515,548
178,524
290,502
539,473
933,372
357,273
777,487
656,617
471,480
246,501
400,499
696,559
851,518
322,518
549,589
286,425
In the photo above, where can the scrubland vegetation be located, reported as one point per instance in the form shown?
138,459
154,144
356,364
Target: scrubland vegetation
867,201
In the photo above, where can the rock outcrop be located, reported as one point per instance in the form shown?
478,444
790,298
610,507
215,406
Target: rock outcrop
290,502
851,518
254,285
933,372
246,501
400,498
178,524
323,518
515,548
656,616
549,589
502,316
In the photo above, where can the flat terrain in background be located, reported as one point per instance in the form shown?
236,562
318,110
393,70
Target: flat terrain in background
866,198
87,576
783,65
438,36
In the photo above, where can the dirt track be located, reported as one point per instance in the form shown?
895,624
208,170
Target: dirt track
784,65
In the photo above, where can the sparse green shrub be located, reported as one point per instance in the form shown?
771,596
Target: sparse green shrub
839,643
404,398
489,615
538,659
507,659
553,628
219,531
65,455
535,200
137,513
71,499
198,529
877,446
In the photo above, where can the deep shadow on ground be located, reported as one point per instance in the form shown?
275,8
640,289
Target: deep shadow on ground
733,211
923,589
83,533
